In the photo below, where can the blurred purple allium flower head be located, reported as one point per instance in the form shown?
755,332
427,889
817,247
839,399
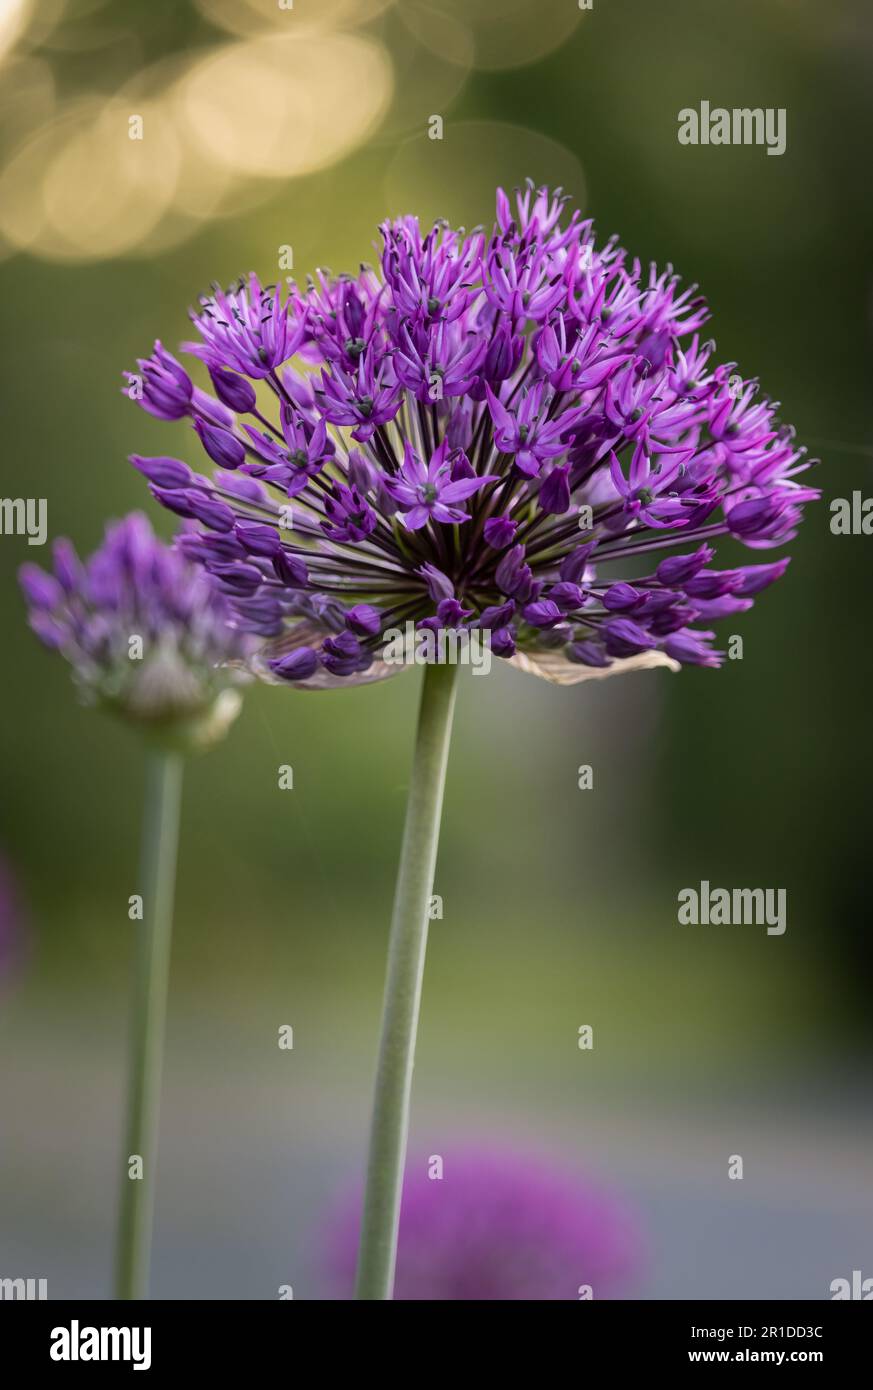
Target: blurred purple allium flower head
499,1226
509,432
147,633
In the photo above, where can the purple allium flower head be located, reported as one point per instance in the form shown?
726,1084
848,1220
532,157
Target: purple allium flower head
148,634
499,1226
529,416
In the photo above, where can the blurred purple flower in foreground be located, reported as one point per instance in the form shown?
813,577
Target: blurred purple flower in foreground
498,1226
146,632
515,419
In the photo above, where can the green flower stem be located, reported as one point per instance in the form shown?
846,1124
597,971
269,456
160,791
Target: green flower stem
406,952
163,796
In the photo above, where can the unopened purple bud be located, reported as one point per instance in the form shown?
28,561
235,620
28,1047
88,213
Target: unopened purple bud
568,597
245,487
439,586
221,547
725,606
625,638
503,355
544,613
687,647
508,573
527,589
754,515
164,387
619,598
461,467
554,498
40,589
459,430
656,601
209,510
754,578
221,446
677,568
296,666
68,566
290,569
238,579
587,654
345,644
496,616
259,627
342,655
174,500
190,543
233,390
50,633
261,608
503,642
500,532
258,539
711,583
575,564
364,620
164,472
362,475
670,620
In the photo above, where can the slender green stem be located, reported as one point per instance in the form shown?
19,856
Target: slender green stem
160,838
406,951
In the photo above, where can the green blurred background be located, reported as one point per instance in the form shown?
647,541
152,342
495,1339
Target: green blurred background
267,128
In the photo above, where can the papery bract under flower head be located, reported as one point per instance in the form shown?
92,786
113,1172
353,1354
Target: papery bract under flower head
517,421
147,632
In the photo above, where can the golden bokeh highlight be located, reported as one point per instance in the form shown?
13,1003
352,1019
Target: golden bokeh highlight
104,190
250,17
284,106
82,189
218,128
279,91
14,18
504,33
27,99
25,24
426,82
22,210
440,32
